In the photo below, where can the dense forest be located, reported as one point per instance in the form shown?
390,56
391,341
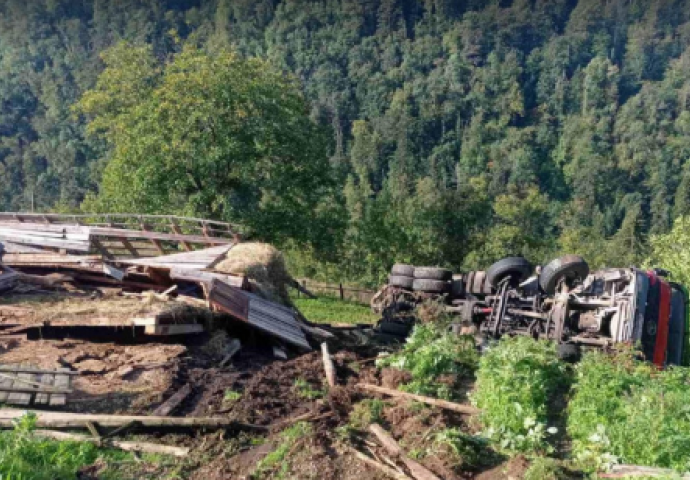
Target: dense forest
448,132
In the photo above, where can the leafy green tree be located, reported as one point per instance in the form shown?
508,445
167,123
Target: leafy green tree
208,135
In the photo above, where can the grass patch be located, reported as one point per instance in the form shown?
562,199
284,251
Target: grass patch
543,468
24,456
305,390
429,353
333,310
628,411
515,381
278,458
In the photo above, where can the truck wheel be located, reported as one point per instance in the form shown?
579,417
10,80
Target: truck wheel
429,286
400,281
402,270
432,273
569,268
457,287
515,268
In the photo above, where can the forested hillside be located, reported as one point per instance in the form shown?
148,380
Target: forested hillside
460,131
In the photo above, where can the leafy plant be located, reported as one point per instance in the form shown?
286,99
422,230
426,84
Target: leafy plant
429,353
515,381
24,456
543,468
471,450
366,412
625,410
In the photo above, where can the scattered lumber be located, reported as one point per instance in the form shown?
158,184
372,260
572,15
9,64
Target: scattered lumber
49,419
22,369
172,403
230,351
375,464
142,447
418,471
456,407
625,471
328,365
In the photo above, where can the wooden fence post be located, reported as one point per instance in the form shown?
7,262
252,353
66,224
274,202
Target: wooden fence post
342,292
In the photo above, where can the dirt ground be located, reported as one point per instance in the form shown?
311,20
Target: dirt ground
124,377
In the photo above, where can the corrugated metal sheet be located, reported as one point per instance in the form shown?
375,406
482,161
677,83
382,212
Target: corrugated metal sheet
264,315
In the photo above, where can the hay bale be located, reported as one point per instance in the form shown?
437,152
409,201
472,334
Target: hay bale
263,265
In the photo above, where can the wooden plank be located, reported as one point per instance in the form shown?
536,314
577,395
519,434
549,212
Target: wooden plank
5,382
47,378
61,381
143,447
20,398
171,403
48,419
27,369
208,277
46,242
151,235
181,329
176,230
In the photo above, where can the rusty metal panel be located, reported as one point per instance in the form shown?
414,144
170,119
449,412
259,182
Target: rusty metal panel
277,320
230,300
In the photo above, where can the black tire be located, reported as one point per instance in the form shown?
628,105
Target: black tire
433,273
401,270
568,267
457,287
569,352
515,268
400,281
429,286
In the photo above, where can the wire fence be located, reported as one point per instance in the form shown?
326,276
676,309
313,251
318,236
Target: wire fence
338,290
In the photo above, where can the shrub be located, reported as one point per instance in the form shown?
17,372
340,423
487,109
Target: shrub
430,353
24,456
516,379
625,410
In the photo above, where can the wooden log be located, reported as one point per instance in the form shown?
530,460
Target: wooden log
328,365
417,470
625,471
456,407
171,404
377,465
143,447
48,419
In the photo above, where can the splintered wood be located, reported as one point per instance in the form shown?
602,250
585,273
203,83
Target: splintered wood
22,385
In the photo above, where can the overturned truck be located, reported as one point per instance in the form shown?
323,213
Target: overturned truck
567,303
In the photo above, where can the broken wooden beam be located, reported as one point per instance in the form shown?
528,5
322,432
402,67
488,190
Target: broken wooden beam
456,407
328,365
142,447
418,471
48,419
171,404
375,464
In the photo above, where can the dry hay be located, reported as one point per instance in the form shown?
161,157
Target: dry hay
263,265
83,310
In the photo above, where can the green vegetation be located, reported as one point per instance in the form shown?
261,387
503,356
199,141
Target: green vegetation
231,396
432,132
543,468
24,456
471,450
516,380
305,390
628,411
278,460
333,310
365,413
431,352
